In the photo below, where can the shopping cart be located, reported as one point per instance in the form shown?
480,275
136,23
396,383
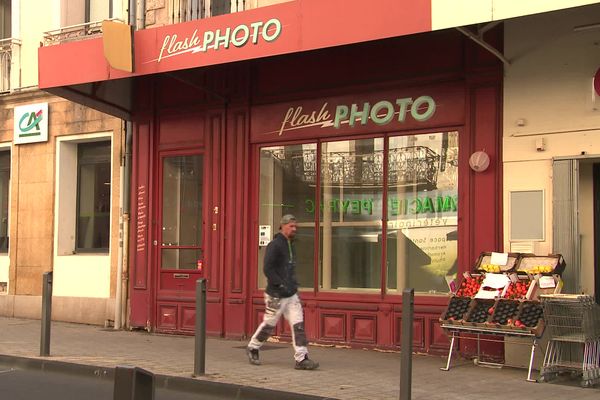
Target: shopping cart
573,323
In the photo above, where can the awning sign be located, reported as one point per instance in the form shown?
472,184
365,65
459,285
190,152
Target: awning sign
31,123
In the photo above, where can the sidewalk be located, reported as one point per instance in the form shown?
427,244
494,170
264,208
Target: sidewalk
344,373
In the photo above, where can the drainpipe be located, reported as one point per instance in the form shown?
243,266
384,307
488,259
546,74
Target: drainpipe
141,15
121,295
123,252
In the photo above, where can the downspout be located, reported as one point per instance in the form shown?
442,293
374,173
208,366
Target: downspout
121,314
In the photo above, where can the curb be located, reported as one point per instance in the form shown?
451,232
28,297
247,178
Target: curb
182,384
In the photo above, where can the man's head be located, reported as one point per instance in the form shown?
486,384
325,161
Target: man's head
288,226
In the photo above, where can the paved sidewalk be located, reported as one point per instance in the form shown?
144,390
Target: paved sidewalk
344,373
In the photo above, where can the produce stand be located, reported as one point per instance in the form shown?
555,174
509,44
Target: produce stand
502,301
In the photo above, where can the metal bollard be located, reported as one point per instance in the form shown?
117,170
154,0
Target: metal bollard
133,383
46,320
200,335
408,306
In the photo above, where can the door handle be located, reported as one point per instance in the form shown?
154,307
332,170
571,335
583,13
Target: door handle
214,227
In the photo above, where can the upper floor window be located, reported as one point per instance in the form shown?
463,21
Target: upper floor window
5,19
77,12
93,196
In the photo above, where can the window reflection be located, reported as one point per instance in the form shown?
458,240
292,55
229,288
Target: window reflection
421,202
351,193
287,186
422,211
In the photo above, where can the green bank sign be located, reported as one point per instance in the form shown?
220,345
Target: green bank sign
31,123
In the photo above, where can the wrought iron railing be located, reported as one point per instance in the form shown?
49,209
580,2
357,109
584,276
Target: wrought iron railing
187,10
74,33
412,166
7,51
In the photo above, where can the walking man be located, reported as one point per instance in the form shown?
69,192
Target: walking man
281,296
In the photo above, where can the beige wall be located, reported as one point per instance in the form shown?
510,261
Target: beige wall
548,96
88,281
450,13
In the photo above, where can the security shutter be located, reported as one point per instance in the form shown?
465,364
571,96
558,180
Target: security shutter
565,225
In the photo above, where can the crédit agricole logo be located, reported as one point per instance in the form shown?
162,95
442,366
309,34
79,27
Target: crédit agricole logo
31,123
239,36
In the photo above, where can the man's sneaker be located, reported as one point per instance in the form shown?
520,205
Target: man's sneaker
307,363
252,356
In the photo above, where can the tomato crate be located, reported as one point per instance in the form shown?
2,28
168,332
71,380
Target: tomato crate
504,314
484,263
469,285
456,310
530,318
479,312
552,264
521,287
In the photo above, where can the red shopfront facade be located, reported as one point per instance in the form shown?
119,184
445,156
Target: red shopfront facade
366,143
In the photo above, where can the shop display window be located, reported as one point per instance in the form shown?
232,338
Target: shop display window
403,188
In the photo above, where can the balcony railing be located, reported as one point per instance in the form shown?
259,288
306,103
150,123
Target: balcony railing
74,33
187,10
9,49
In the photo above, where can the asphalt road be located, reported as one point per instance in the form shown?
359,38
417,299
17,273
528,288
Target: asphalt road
24,384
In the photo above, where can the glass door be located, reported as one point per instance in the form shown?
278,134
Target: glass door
180,240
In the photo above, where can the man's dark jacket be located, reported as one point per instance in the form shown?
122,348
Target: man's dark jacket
279,267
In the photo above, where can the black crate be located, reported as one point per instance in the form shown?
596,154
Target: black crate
478,314
456,310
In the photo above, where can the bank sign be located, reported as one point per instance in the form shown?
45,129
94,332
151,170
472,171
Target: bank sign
31,123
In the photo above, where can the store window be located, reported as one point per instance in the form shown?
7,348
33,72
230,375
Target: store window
4,198
93,197
287,186
422,211
351,192
181,234
405,184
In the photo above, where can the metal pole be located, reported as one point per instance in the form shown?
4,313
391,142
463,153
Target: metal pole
46,314
200,336
407,338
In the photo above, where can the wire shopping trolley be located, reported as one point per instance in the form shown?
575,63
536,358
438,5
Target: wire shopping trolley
573,323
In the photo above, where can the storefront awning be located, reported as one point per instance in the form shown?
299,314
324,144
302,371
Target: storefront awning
79,71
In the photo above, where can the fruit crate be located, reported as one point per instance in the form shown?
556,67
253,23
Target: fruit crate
505,311
479,313
456,310
530,318
484,263
545,285
521,287
469,285
552,264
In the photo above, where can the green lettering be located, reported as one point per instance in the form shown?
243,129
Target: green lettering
345,204
341,113
364,114
368,206
427,204
310,206
355,206
394,205
387,117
